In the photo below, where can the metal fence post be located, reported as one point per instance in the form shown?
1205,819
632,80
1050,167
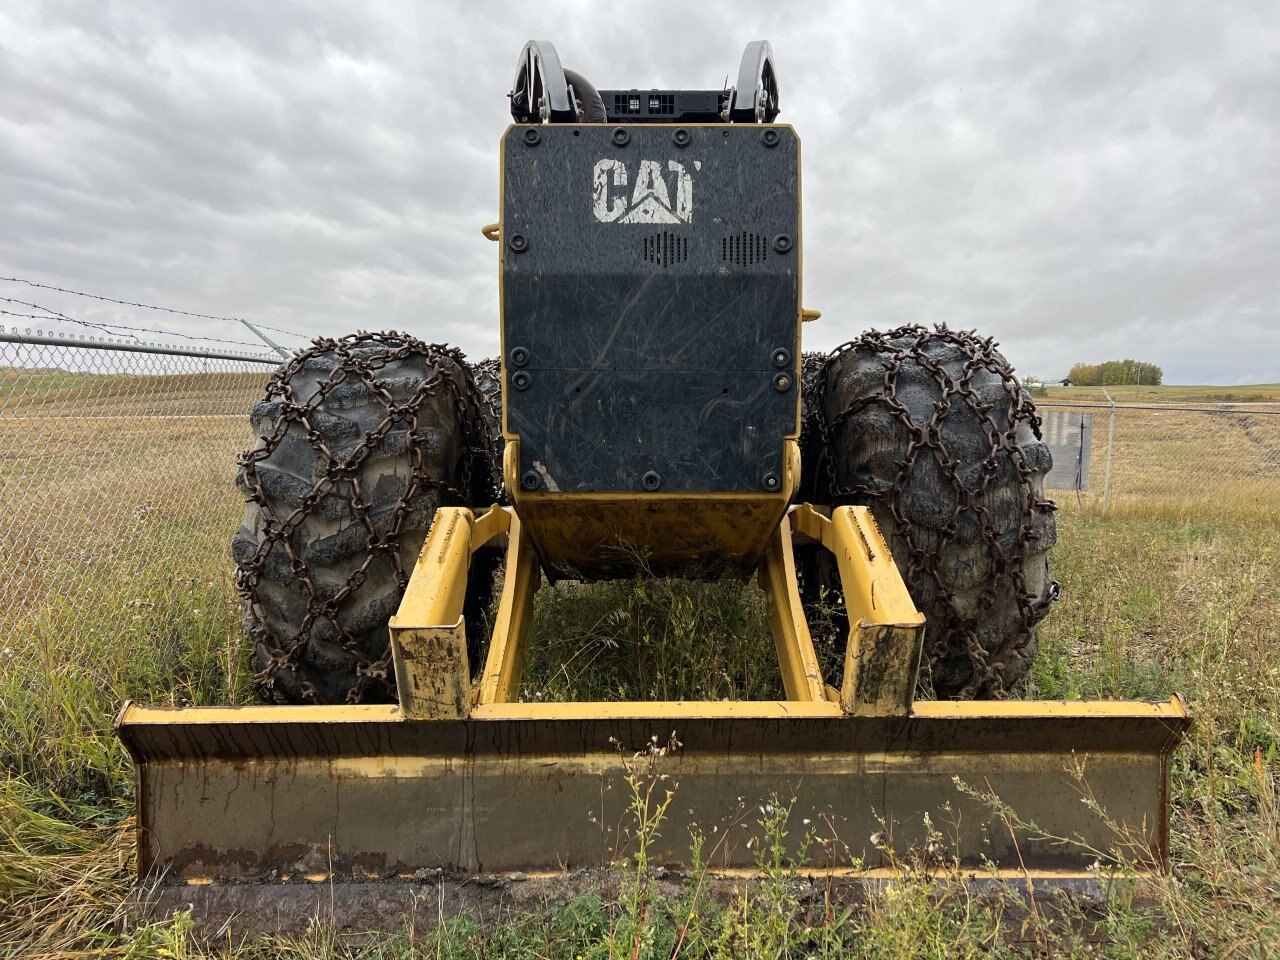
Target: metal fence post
284,354
1111,439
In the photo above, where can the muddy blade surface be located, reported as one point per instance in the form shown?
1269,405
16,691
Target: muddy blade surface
353,794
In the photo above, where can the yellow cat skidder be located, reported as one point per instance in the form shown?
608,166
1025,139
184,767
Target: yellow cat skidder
651,406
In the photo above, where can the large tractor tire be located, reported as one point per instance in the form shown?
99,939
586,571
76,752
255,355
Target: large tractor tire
360,441
932,431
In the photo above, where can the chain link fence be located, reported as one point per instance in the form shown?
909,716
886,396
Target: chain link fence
114,457
118,457
1211,459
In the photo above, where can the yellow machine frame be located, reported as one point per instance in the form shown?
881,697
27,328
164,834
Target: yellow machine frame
429,645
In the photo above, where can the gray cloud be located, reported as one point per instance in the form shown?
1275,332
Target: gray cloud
1083,181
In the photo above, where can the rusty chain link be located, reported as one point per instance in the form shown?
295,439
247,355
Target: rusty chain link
907,345
342,475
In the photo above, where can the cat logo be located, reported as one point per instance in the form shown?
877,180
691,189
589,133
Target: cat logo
650,200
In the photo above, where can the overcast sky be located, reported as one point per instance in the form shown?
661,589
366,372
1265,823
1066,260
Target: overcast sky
1083,181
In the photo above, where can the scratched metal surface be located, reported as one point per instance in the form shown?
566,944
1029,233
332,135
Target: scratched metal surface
651,299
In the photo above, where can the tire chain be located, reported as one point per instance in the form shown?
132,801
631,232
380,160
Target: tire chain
489,371
989,666
285,653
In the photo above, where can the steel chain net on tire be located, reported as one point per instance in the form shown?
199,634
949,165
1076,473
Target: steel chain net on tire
929,439
278,531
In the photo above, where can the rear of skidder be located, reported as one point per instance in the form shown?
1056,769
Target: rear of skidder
652,407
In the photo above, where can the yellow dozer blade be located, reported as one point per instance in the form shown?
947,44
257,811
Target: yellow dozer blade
461,778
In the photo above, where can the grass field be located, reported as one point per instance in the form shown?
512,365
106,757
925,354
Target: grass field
1133,393
96,470
131,598
1153,602
1202,462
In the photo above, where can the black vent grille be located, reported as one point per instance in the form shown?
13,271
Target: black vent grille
666,248
662,103
743,248
628,103
640,104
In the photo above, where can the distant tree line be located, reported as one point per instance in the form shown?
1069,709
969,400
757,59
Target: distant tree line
1115,373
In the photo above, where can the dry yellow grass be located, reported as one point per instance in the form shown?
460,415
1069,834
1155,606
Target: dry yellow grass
61,393
99,469
1132,393
1179,459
